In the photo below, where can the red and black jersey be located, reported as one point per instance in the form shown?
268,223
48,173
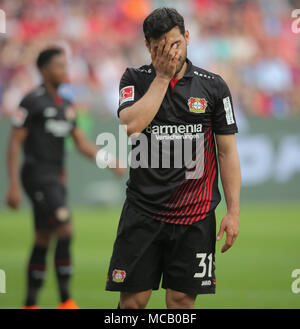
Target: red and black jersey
194,109
48,122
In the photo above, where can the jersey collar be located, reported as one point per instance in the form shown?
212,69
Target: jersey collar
189,69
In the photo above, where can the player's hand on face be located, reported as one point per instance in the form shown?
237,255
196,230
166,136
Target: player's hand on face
165,57
13,199
230,224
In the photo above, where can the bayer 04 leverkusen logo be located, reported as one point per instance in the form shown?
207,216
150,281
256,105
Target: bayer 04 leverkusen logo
197,105
118,276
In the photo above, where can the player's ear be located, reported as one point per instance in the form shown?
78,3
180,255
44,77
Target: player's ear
148,46
187,36
43,72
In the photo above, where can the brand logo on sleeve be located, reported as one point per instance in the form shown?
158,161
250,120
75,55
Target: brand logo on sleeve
228,110
126,94
197,105
19,117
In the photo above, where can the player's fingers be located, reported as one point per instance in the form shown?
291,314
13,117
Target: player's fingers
161,46
225,247
16,203
167,48
12,204
234,238
221,232
172,52
229,241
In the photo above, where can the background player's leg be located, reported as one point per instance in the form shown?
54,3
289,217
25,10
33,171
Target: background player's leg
63,262
179,300
37,266
134,300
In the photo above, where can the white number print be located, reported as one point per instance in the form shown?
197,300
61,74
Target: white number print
296,283
203,265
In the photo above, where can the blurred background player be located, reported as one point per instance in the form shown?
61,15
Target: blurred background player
40,126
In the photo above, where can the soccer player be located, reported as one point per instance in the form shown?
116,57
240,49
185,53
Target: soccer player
167,225
40,125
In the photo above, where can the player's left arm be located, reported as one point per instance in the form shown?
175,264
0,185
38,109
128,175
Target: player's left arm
231,180
88,149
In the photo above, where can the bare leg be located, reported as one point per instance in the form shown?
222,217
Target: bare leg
134,300
179,300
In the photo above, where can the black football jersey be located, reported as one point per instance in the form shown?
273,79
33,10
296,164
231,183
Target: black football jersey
194,109
48,121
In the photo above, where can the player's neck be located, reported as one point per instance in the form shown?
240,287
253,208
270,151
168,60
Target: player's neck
181,73
51,89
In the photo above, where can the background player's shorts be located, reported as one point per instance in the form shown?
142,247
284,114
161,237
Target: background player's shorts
48,199
145,249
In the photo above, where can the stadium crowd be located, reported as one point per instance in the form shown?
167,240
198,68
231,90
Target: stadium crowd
249,43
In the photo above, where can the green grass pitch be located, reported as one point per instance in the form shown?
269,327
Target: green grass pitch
255,273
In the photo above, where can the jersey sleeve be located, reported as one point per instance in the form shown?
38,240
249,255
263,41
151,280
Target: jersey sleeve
128,91
22,117
223,115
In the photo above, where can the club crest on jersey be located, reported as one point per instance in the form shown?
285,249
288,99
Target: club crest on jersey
118,276
126,94
197,105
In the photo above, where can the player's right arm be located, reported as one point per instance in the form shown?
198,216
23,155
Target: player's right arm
137,116
17,138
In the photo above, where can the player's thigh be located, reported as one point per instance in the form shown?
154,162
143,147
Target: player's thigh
55,195
189,262
49,204
136,262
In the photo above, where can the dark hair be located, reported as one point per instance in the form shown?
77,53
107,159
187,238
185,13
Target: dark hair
46,55
161,21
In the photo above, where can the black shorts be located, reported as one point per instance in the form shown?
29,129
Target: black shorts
48,199
146,249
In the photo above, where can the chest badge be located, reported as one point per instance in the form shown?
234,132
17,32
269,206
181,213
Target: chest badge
197,105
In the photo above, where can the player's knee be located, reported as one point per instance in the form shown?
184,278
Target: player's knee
43,238
176,299
132,304
64,231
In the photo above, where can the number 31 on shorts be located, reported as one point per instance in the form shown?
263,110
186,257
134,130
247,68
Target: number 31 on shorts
206,268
